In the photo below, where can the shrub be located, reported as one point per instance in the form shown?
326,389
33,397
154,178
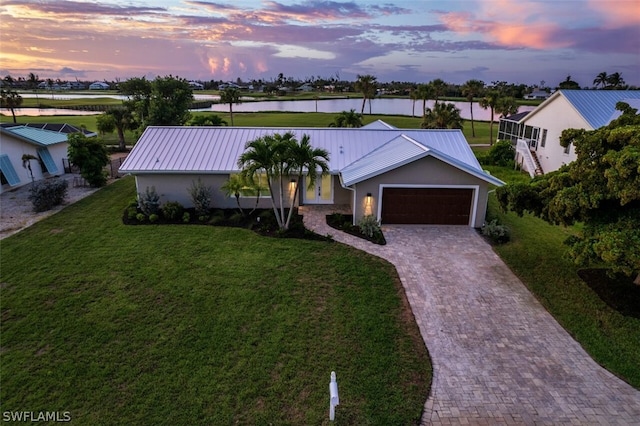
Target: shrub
132,212
91,156
496,232
186,217
369,226
172,210
153,218
149,201
201,197
141,217
47,194
501,153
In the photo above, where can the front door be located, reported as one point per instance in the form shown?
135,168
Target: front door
321,192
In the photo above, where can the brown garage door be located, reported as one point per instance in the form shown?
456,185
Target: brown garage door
435,206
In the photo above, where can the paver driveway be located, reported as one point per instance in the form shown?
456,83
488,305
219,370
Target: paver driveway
498,355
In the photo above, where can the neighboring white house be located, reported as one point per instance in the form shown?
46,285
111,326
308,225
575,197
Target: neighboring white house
99,85
196,86
46,142
397,175
306,87
538,148
537,94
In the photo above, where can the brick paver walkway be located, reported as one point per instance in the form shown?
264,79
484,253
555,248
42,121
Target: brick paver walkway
498,356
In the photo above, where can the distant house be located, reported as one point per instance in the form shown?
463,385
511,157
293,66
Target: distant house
538,148
196,86
537,94
46,142
398,175
99,85
306,87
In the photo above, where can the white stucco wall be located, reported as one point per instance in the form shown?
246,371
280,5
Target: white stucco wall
555,116
16,148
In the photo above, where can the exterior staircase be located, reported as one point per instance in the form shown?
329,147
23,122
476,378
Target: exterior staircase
529,158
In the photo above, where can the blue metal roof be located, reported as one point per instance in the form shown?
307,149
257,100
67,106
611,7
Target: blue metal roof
598,106
37,136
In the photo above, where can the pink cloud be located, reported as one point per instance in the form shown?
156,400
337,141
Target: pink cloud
617,13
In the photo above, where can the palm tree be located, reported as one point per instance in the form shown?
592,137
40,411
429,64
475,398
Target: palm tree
601,80
490,100
34,81
615,81
414,96
303,156
11,100
470,90
123,120
438,88
424,92
267,155
443,116
233,187
230,96
347,119
366,84
506,106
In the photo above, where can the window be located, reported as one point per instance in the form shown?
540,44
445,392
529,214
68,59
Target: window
46,160
8,171
260,179
567,149
543,141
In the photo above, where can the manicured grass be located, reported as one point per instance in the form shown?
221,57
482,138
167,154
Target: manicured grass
188,324
538,256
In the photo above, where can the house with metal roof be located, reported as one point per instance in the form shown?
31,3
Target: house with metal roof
538,148
49,147
398,175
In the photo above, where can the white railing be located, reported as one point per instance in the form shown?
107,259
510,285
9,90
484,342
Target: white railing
522,147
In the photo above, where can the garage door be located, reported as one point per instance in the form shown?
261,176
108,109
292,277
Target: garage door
434,206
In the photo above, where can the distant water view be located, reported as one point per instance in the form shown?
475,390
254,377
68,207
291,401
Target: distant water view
378,106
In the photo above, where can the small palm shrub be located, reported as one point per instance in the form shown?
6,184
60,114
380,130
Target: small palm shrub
149,201
46,194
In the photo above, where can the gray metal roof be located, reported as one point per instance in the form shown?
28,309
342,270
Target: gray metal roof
36,136
595,106
378,124
216,149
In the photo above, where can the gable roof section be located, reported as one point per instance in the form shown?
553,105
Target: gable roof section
35,136
595,106
54,127
399,152
378,124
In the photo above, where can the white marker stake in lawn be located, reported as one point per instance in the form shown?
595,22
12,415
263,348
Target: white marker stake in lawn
333,396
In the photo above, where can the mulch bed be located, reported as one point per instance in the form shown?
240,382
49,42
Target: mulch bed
261,221
616,290
343,222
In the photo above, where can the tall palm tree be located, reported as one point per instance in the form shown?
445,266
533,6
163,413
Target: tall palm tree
438,88
303,156
424,92
506,106
414,96
490,100
230,96
34,81
267,155
615,81
470,90
442,116
366,84
11,100
347,119
601,80
233,187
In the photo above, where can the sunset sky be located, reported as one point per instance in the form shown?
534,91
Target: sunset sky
520,41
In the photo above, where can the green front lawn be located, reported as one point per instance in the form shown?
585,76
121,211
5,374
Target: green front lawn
189,324
538,256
